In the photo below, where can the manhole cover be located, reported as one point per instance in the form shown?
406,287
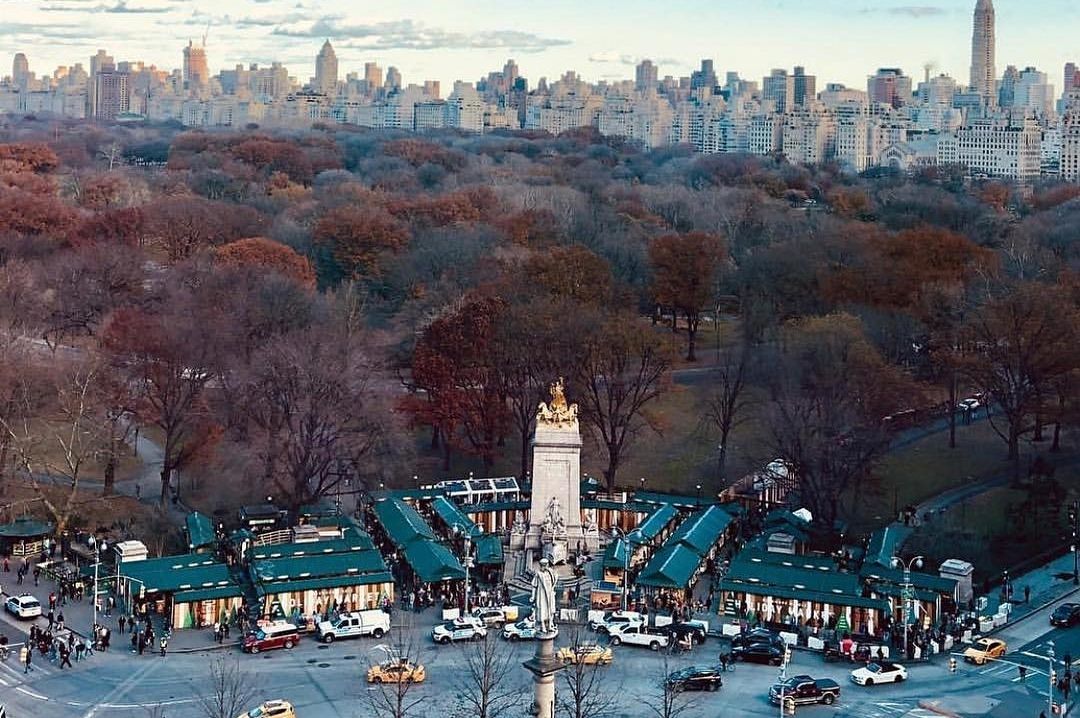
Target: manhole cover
323,647
350,658
324,665
312,660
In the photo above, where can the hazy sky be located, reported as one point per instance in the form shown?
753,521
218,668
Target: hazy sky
838,40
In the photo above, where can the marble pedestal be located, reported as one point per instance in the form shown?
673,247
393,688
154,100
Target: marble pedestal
543,665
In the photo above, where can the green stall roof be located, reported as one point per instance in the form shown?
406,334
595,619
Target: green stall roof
178,573
928,581
200,531
315,584
655,522
802,573
836,599
673,566
489,550
433,562
331,564
25,527
449,512
353,540
702,529
207,594
401,522
615,554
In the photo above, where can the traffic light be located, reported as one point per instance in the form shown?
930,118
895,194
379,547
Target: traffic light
952,665
789,706
1053,677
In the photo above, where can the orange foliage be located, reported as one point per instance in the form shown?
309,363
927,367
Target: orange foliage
455,208
1055,196
995,195
262,253
114,226
34,214
419,152
27,157
849,202
529,227
358,235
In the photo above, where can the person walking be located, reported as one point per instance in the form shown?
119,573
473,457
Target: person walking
121,621
65,656
80,647
51,618
1027,594
26,656
164,644
60,621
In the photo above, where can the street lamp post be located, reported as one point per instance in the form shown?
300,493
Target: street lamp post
1050,674
98,546
699,494
627,537
467,535
917,562
1074,527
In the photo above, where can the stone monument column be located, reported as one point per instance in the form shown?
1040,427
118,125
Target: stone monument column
555,507
543,664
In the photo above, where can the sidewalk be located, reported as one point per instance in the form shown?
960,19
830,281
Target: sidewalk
1049,583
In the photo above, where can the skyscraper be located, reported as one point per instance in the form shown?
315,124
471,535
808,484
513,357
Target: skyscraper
393,79
1072,77
373,76
326,70
196,70
805,86
645,76
779,87
20,70
983,73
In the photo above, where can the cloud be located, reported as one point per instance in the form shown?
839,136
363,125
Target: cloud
410,35
917,11
121,7
614,57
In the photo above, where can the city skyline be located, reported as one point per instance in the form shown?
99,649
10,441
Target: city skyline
436,41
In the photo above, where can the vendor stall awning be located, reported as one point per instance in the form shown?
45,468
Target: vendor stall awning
453,516
316,566
318,584
207,594
673,566
702,529
489,550
433,562
615,554
401,522
172,574
200,531
655,522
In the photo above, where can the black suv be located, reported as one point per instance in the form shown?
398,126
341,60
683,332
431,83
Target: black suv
1067,614
756,636
770,653
695,678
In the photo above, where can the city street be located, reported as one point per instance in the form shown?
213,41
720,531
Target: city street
328,682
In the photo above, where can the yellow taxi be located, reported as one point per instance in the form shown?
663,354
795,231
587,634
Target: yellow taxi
271,709
985,649
587,654
396,671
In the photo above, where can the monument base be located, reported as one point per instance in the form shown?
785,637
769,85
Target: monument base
543,665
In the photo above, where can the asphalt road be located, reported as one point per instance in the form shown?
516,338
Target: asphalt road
327,682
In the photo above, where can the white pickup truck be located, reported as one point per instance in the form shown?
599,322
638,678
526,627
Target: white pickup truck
639,635
373,622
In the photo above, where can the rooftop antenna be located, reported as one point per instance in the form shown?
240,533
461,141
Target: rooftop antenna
927,67
205,34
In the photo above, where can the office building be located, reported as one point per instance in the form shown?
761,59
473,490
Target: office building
1008,146
645,76
779,88
196,70
983,72
326,70
804,86
890,86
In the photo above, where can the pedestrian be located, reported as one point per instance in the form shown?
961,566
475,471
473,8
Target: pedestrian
109,603
7,565
52,619
26,655
52,601
142,643
1023,673
80,648
1027,594
164,644
134,643
121,621
65,657
60,621
37,574
225,629
19,577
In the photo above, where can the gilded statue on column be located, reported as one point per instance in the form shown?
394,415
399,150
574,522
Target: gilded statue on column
557,412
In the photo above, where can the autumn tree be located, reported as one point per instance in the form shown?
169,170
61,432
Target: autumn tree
358,237
684,277
169,360
182,226
1023,342
268,255
24,388
623,367
572,273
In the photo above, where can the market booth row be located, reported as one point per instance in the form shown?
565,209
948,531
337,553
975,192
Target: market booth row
190,590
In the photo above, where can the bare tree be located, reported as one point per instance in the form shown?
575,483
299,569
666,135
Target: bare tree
667,700
397,699
728,401
226,690
622,370
589,692
485,685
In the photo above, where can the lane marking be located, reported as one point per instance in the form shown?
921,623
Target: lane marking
28,692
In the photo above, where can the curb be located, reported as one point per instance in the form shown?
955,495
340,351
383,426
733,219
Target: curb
1042,606
214,647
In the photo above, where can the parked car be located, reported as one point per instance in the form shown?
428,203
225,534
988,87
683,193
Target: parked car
636,634
616,618
769,653
696,678
23,606
490,616
757,635
397,670
586,654
374,622
523,630
1065,615
453,631
873,673
806,690
271,709
985,649
695,628
279,634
